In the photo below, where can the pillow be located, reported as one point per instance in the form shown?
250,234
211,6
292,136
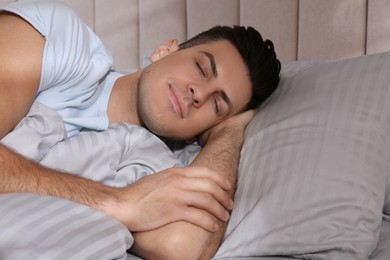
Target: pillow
314,164
382,252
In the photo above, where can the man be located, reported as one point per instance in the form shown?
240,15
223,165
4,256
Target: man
193,91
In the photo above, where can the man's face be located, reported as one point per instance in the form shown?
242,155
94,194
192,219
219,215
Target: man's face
191,90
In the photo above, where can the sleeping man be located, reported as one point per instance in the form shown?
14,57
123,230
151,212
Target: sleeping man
203,89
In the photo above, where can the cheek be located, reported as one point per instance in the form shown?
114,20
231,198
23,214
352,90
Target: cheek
150,90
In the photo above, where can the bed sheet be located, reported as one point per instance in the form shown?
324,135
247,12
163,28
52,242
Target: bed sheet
382,252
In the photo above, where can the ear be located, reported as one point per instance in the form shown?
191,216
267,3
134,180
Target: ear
164,50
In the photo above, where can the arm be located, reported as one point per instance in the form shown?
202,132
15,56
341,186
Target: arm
21,49
182,240
144,205
21,175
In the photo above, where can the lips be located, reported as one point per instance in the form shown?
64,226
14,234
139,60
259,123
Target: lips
177,102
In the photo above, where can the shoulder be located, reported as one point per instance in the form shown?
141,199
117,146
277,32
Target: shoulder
20,54
38,8
41,14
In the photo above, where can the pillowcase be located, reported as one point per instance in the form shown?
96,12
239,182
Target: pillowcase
382,251
314,164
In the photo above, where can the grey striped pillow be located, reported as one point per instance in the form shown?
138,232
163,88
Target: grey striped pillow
315,163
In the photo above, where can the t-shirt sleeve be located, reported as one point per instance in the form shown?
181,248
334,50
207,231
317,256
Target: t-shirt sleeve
74,64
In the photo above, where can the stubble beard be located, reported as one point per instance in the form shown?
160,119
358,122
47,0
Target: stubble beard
149,116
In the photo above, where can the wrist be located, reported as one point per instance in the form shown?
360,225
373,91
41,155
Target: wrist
120,206
230,133
110,203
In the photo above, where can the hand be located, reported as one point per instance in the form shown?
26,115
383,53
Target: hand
239,121
193,194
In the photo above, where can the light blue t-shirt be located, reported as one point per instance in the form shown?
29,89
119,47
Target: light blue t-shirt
76,79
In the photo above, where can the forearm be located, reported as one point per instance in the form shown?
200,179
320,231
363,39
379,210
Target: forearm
147,204
19,174
221,155
182,240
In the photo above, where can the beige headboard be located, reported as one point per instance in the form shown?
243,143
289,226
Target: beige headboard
300,29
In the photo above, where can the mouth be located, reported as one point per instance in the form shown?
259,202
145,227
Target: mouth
176,101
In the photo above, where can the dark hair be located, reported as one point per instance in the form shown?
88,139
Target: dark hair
258,55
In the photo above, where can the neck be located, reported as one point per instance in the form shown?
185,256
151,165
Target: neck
122,105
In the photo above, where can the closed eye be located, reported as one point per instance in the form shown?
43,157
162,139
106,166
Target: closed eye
222,103
200,69
216,105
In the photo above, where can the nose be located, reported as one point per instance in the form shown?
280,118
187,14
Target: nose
199,94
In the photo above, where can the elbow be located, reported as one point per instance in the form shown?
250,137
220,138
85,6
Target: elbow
180,246
176,244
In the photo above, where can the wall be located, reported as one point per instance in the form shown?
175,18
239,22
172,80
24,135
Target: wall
300,29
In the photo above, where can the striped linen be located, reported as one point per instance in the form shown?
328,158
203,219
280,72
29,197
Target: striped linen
43,227
315,164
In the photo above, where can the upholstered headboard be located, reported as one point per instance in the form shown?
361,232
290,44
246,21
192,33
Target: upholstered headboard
300,29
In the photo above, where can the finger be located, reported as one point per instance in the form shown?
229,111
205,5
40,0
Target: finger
205,186
201,218
204,172
205,202
246,116
251,113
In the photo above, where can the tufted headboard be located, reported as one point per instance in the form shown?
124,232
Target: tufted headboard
300,29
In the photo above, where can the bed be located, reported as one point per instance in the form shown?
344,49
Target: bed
314,170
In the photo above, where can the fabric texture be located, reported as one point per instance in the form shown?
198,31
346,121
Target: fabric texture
75,65
43,227
382,251
117,156
42,127
314,164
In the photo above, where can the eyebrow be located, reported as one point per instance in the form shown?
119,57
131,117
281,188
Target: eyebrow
213,64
